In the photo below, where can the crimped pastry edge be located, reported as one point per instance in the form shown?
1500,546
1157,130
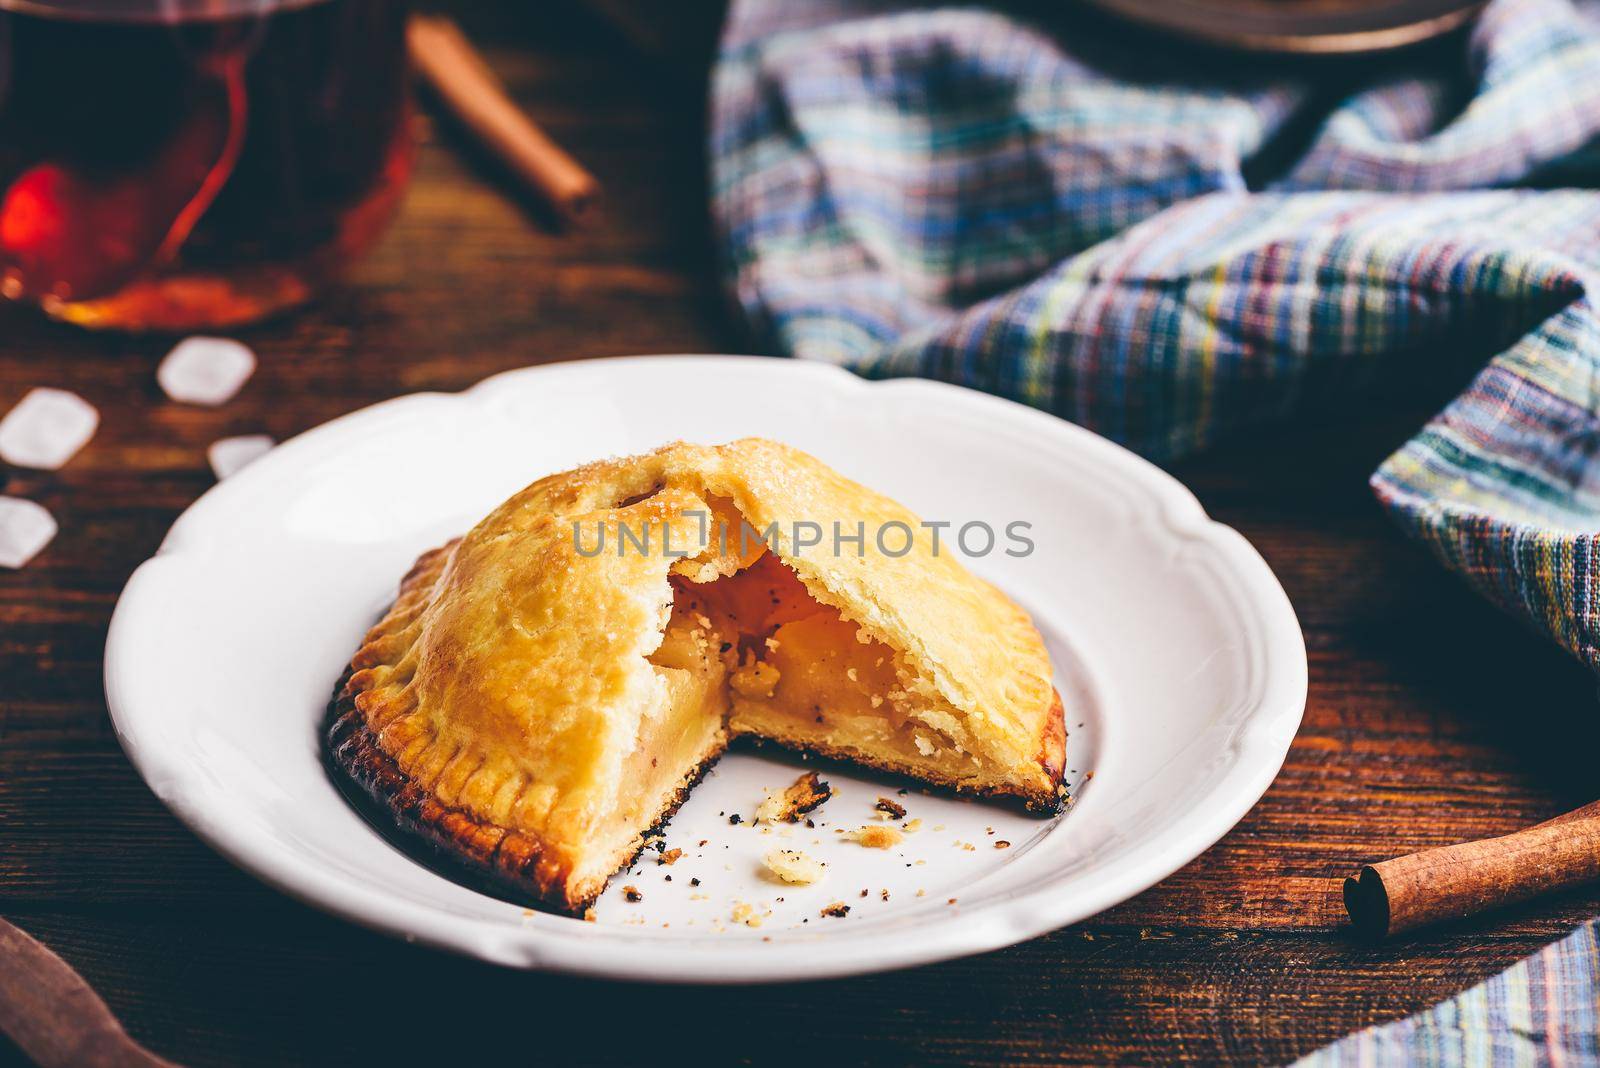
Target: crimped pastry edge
474,851
505,862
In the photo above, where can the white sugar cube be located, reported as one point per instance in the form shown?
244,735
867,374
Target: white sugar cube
231,454
46,428
25,528
206,370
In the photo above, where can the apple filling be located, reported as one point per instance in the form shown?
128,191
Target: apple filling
681,730
780,665
747,650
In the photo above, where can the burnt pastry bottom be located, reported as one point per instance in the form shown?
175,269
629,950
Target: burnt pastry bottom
499,862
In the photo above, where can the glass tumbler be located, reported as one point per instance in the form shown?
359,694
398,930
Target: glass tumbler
183,164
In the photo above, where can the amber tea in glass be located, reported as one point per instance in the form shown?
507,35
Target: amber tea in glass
179,164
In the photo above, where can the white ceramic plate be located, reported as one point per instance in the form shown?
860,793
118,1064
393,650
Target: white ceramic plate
1177,654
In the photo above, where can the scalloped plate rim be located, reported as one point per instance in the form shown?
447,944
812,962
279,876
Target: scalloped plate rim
1259,751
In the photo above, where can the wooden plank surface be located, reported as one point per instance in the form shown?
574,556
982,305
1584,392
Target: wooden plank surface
1431,718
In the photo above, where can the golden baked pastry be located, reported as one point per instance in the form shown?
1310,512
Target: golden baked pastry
545,690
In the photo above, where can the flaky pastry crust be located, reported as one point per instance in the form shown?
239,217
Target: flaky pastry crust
493,710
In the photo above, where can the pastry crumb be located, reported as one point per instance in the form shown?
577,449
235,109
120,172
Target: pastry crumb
913,826
755,680
631,893
838,908
793,866
877,837
747,914
1001,843
788,805
893,809
671,856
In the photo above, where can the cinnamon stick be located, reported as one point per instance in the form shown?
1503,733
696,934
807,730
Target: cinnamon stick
1461,880
470,90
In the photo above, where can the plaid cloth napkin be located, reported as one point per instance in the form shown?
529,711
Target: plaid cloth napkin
1169,247
1540,1011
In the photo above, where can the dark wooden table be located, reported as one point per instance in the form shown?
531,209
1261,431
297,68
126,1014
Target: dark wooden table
1431,718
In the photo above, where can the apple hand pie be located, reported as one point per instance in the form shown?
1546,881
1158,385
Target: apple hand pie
545,690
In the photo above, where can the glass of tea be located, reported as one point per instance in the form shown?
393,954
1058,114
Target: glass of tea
181,164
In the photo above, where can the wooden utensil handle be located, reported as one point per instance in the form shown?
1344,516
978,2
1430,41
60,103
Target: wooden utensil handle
55,1017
